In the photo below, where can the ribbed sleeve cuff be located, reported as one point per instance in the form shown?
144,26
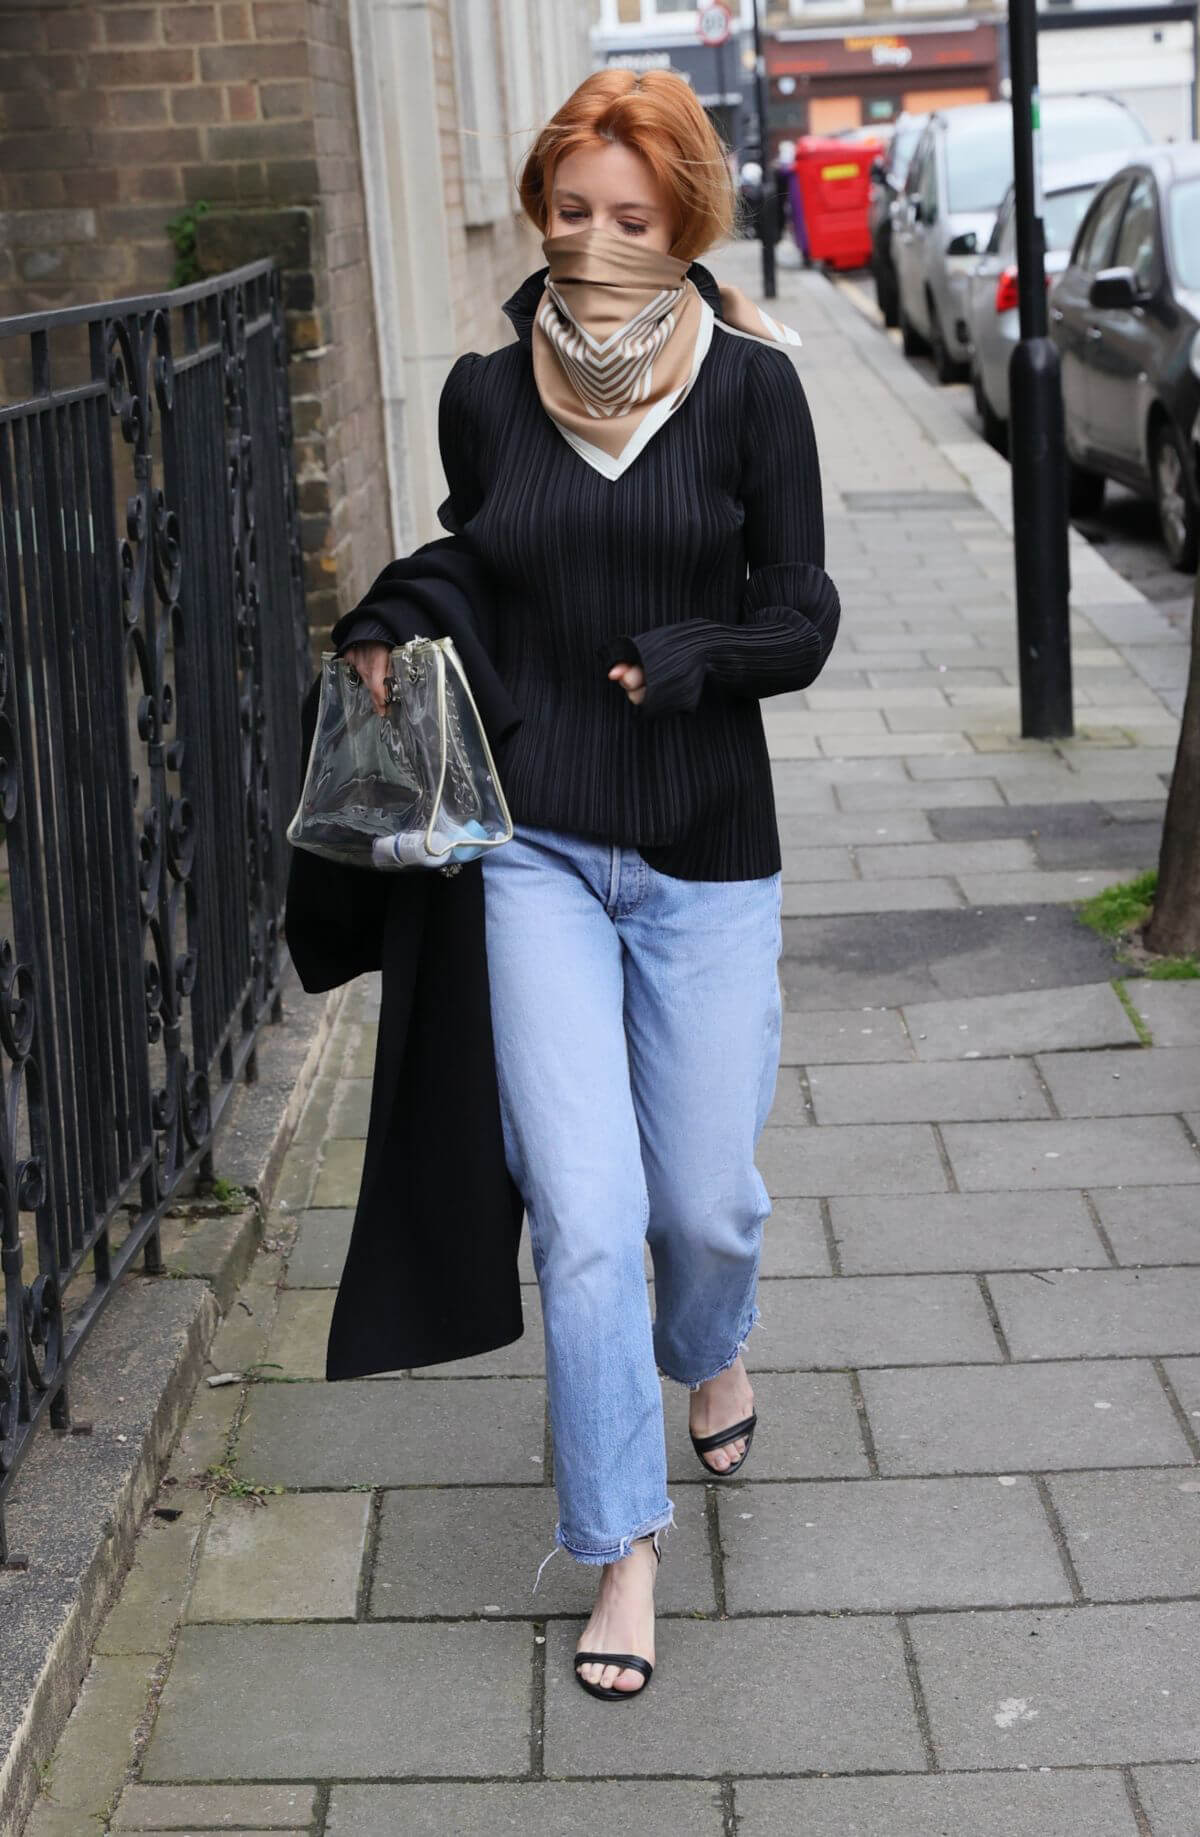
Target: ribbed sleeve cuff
801,586
363,630
672,658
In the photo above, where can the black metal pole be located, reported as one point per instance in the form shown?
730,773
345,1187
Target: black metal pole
767,218
1037,447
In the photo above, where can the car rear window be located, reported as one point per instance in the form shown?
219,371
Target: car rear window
1183,210
979,155
1064,212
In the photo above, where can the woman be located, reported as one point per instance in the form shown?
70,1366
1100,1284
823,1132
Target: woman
619,467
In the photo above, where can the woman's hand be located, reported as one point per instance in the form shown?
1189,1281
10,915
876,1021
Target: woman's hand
371,662
632,679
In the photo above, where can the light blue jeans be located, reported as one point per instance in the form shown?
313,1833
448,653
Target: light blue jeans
637,1025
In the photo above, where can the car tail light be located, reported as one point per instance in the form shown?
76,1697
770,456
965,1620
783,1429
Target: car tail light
1007,297
1006,291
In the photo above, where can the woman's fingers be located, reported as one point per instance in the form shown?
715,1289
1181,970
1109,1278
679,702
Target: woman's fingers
632,679
371,662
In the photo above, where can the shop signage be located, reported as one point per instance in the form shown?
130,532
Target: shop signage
865,52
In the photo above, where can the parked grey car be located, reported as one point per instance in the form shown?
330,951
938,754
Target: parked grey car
887,182
1125,316
993,322
959,173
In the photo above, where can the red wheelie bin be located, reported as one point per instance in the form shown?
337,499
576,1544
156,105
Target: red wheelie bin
833,178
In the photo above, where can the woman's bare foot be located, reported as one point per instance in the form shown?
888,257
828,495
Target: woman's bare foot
725,1399
623,1618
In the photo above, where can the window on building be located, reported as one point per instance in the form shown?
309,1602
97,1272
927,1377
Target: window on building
487,192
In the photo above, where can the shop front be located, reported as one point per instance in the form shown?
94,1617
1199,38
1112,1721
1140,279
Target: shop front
828,83
717,73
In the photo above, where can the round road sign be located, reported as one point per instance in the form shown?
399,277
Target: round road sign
714,24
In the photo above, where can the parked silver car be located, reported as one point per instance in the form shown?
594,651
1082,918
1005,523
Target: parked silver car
959,173
993,322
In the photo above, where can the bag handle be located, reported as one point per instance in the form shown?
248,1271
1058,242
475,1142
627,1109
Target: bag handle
443,649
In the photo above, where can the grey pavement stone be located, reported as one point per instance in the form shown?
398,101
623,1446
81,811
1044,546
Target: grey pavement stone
866,1546
794,1240
1075,1804
96,1746
1171,1010
744,1696
394,1432
884,1158
950,858
819,898
889,959
856,1321
1123,1083
319,1252
1171,1797
145,1612
539,1808
1100,1313
299,1334
970,1231
1150,1224
1021,1418
827,829
1064,1686
904,795
269,1702
339,1176
844,1036
1013,1156
790,1106
184,1808
1025,1021
1185,1378
930,1092
807,865
1038,887
808,1429
351,1108
439,1553
295,1557
1132,1534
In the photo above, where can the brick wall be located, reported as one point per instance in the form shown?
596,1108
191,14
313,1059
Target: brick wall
116,117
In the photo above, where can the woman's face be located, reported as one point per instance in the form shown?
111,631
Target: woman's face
610,187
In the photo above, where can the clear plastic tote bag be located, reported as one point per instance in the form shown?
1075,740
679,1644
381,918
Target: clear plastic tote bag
416,787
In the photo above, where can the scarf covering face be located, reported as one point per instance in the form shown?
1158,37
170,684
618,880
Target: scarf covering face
618,339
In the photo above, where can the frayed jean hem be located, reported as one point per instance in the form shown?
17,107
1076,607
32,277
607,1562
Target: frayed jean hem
614,1552
694,1384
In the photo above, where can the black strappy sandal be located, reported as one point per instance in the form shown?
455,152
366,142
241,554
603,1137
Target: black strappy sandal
704,1444
628,1661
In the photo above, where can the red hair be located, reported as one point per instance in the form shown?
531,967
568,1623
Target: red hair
656,114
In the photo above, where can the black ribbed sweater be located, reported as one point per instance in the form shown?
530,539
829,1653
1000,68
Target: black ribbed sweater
650,567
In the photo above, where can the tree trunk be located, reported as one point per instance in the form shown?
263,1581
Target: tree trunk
1174,928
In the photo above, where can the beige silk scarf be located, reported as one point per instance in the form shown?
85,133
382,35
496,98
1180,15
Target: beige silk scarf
618,339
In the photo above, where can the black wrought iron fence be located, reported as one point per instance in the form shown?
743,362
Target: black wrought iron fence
153,656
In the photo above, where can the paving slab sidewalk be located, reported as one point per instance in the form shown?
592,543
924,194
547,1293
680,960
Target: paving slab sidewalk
957,1590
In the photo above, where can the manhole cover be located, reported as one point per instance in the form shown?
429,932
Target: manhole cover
941,501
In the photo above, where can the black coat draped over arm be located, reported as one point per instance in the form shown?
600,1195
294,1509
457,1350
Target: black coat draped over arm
431,1272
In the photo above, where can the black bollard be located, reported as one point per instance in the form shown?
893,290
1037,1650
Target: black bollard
1037,445
1039,490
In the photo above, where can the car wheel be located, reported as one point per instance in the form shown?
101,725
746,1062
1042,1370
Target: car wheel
1178,512
1085,491
995,430
948,368
910,338
886,294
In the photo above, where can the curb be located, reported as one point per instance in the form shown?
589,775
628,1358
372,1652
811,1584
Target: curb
79,1499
